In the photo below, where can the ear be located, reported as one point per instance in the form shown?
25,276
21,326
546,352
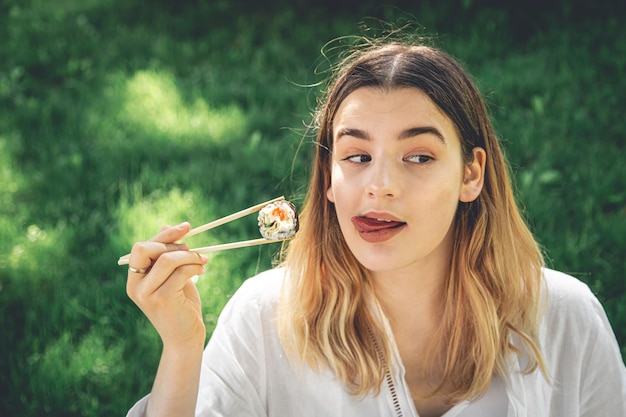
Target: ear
329,195
474,176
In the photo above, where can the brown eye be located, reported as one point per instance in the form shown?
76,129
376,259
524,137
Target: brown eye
419,159
358,159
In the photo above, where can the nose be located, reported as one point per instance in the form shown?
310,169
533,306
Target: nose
384,179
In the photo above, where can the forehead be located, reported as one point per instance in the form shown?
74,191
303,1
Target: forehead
404,107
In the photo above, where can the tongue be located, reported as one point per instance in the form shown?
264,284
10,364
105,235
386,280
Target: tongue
366,224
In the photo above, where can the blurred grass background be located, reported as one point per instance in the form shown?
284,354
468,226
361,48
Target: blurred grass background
117,117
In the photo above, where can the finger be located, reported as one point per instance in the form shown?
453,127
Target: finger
170,234
141,291
180,278
174,266
144,254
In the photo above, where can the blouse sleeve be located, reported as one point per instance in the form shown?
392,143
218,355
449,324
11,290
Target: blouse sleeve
603,390
587,371
139,409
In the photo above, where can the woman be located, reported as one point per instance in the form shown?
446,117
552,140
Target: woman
413,287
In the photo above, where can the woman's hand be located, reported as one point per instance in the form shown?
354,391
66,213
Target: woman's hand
165,292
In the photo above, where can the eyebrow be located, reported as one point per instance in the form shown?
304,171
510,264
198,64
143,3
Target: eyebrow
405,134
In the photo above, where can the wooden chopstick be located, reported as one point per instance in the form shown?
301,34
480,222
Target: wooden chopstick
223,246
123,260
235,245
230,217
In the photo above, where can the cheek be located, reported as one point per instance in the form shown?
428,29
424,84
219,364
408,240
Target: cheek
444,199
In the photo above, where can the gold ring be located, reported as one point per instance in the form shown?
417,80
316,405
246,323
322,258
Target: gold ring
136,270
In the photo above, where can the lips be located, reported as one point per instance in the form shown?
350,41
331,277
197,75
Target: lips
368,225
374,230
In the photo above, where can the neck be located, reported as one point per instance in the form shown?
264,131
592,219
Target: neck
414,305
411,297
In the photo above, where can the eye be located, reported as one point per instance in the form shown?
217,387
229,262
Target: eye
358,159
419,159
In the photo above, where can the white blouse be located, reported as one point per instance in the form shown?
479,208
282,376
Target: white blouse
493,404
245,372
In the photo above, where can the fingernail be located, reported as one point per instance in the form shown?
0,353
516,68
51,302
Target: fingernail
204,258
182,225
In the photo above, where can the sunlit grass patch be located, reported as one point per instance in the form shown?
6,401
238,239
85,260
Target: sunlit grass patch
140,216
154,104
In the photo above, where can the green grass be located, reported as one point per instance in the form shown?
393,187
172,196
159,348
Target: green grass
117,118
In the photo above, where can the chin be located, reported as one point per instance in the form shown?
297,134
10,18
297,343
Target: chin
375,263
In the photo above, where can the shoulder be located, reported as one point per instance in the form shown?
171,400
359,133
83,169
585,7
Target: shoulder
580,350
249,316
567,294
563,288
574,318
258,294
264,287
568,298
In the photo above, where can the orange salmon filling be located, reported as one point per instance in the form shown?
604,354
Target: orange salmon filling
280,213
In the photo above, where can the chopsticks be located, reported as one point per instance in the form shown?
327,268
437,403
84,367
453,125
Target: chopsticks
123,260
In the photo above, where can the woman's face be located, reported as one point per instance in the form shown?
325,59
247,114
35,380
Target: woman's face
397,176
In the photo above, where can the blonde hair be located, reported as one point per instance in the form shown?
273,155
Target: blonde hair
493,292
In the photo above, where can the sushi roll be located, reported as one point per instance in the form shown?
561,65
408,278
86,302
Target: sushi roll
278,220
